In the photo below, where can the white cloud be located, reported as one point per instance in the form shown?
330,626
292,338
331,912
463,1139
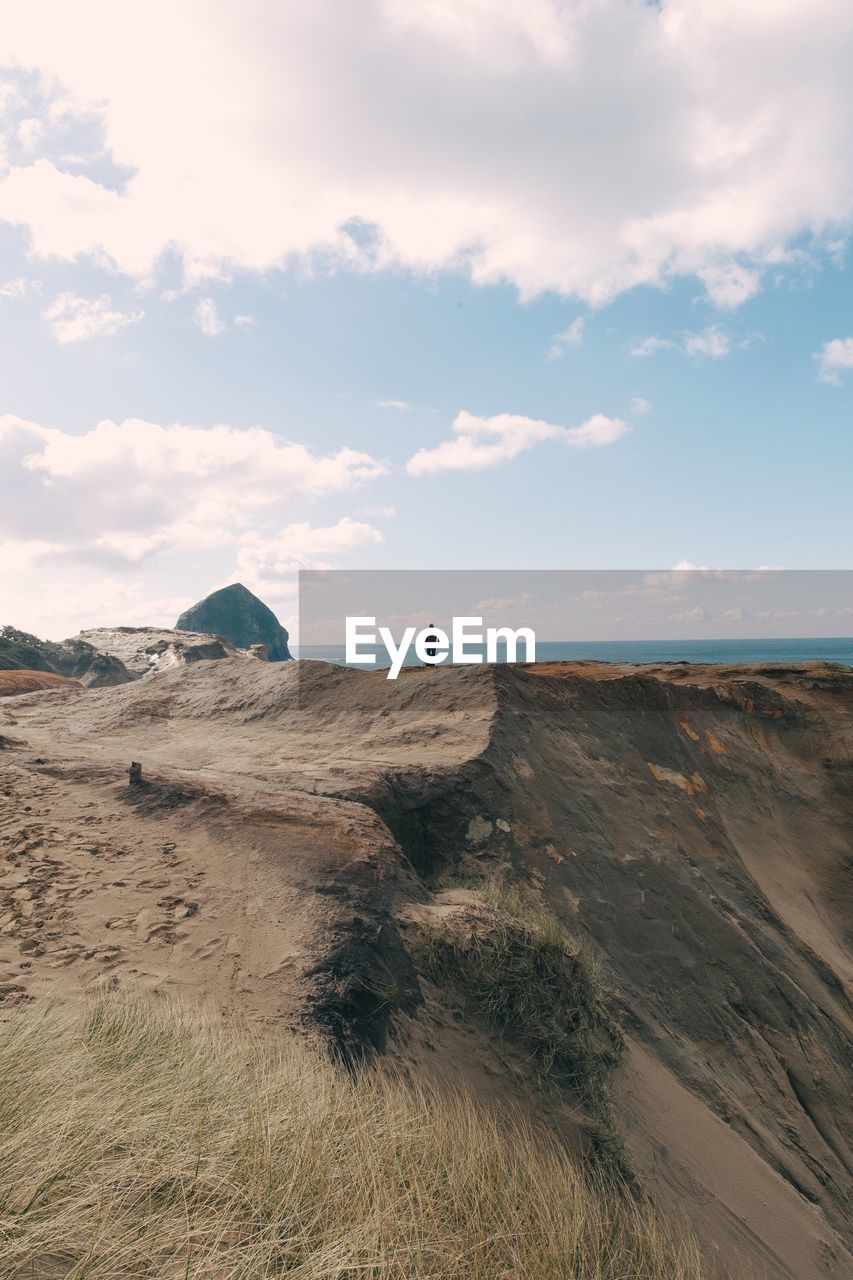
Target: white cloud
14,288
833,358
72,318
380,513
731,285
596,431
780,615
457,135
698,614
209,319
264,558
685,572
484,442
712,341
571,337
120,493
648,346
206,316
401,406
30,132
639,405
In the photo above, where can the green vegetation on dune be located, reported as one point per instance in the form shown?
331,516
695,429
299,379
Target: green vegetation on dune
520,970
138,1139
523,972
20,651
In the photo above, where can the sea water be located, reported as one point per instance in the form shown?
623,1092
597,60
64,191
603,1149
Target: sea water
791,651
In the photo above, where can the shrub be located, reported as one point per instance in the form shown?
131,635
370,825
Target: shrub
521,970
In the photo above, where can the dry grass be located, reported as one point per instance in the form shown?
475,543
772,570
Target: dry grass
139,1140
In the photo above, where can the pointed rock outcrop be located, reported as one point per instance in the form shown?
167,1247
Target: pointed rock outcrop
241,618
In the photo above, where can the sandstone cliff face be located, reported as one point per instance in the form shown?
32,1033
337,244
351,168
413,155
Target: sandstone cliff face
144,650
239,616
302,825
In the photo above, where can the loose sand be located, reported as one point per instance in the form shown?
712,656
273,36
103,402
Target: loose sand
693,825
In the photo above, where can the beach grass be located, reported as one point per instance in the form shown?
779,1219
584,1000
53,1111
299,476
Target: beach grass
139,1139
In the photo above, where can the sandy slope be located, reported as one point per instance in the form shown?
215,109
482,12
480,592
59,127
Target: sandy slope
693,824
20,680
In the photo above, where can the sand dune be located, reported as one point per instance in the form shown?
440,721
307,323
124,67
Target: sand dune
20,681
299,825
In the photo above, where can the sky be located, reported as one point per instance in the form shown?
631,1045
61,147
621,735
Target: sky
579,604
485,284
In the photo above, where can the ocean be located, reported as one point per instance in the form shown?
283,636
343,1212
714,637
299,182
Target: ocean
793,650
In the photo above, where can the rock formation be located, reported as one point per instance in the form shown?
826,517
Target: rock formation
241,618
143,650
